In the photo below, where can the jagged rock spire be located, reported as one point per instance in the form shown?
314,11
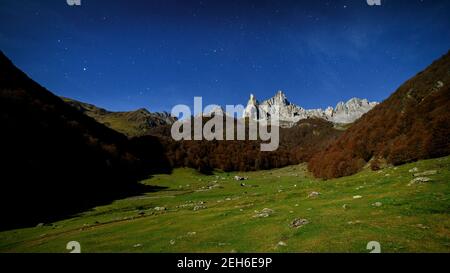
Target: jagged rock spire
252,100
251,111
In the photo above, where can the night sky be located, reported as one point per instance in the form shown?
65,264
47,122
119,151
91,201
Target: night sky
124,55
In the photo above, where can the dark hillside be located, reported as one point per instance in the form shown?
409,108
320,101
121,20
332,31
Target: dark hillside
57,161
412,124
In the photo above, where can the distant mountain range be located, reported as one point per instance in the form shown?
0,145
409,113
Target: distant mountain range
141,122
132,123
289,113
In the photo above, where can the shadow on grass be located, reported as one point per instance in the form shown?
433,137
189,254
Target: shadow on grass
50,210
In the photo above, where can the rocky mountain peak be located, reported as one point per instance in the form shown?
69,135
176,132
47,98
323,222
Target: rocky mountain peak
353,109
251,110
289,114
252,100
279,99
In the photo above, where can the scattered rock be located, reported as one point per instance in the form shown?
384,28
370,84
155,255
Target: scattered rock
187,205
422,226
172,242
414,170
345,206
377,204
137,245
297,223
159,208
313,194
240,178
192,233
357,197
432,172
199,207
270,211
419,180
354,222
264,213
281,243
209,187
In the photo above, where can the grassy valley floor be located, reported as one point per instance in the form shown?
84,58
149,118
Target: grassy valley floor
199,213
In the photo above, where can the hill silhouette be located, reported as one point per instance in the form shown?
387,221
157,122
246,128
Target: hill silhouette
55,160
412,124
132,124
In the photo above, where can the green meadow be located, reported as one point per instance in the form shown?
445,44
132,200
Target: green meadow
193,212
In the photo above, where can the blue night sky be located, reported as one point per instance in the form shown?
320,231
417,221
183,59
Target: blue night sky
124,55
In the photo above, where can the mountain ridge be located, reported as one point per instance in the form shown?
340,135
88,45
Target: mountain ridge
131,123
289,113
